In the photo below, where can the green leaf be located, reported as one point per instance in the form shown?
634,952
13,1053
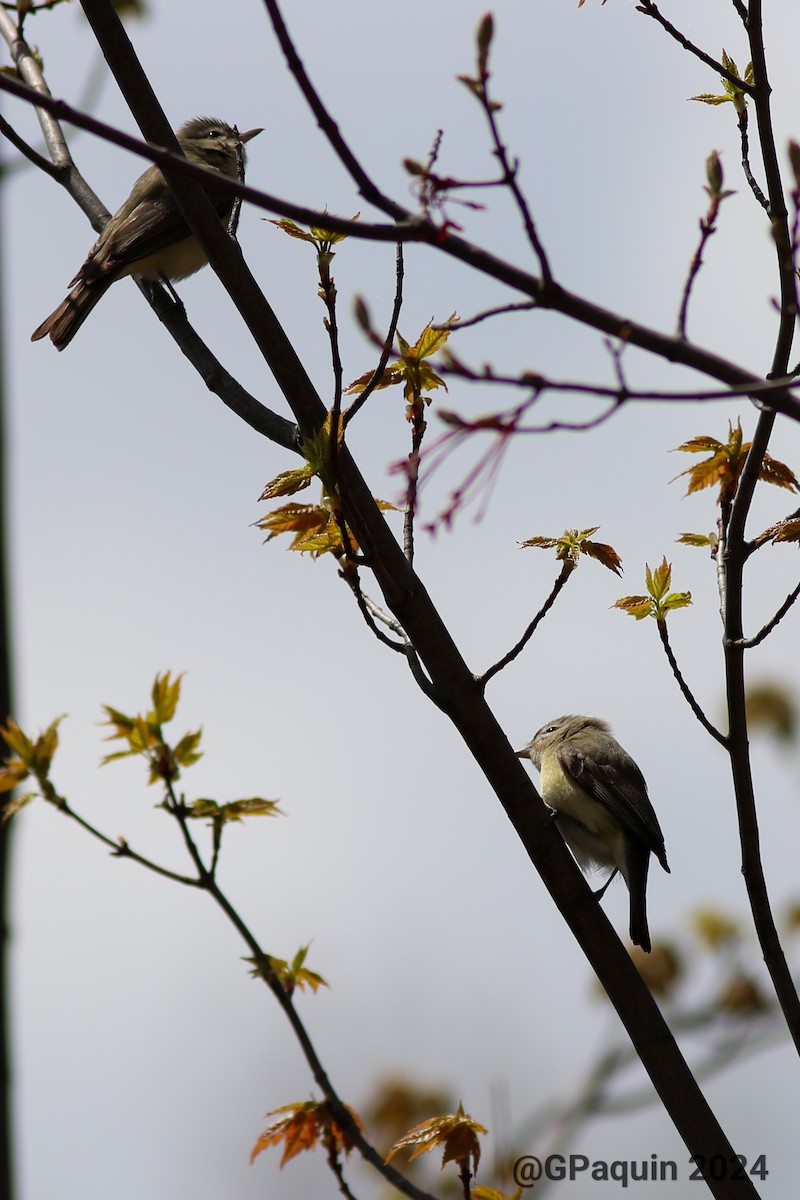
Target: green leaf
660,600
186,752
698,539
166,693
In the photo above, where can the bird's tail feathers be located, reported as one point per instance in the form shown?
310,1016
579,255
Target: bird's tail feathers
65,321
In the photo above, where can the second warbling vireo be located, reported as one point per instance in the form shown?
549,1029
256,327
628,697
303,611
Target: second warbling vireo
601,806
148,235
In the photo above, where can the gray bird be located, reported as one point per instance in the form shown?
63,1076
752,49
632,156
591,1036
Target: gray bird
601,806
148,235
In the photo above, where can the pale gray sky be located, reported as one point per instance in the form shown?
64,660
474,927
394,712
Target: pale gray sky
145,1055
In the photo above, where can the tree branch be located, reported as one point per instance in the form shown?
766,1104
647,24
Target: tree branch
566,570
685,689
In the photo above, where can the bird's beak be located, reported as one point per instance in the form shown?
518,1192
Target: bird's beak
251,133
524,752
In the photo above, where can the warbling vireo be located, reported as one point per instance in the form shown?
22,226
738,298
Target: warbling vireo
601,806
148,236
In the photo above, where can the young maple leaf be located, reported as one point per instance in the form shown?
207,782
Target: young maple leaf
725,462
233,810
659,601
575,542
457,1133
303,1128
30,757
411,370
291,974
732,92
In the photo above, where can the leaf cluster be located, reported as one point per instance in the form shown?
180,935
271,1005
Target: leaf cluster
575,542
144,733
292,974
304,1127
411,371
659,600
457,1134
725,463
30,757
732,93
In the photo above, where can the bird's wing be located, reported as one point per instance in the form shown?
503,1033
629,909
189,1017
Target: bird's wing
150,227
620,788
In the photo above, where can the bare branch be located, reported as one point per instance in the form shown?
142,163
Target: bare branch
683,685
651,10
566,570
748,173
708,225
454,326
749,643
388,341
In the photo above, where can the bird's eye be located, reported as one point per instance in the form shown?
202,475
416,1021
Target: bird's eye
215,133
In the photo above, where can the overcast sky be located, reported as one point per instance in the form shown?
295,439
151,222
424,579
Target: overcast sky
145,1056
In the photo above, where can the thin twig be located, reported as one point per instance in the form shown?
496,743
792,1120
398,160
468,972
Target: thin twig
748,172
454,326
707,230
651,10
418,428
335,1164
510,173
351,577
120,848
749,643
560,582
421,679
456,368
683,685
32,155
388,341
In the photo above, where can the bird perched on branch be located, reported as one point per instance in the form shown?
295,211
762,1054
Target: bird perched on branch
601,806
148,235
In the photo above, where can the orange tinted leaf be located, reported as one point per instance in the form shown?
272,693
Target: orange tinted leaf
457,1134
293,518
287,483
298,1131
789,531
778,473
604,554
293,230
635,606
303,1127
390,376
